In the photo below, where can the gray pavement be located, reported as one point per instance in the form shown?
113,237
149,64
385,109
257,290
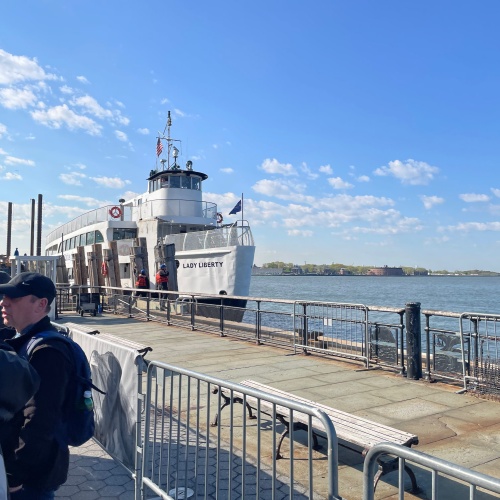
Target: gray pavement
460,428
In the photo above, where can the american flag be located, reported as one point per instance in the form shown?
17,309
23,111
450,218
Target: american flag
159,147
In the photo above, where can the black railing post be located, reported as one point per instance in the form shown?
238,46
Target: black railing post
413,341
257,323
304,330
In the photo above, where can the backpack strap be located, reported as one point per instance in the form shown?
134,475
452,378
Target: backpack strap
60,340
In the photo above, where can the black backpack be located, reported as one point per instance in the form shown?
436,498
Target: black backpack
79,424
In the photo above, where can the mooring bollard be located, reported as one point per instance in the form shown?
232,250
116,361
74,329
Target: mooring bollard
413,341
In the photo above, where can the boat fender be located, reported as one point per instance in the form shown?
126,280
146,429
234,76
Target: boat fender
219,218
115,212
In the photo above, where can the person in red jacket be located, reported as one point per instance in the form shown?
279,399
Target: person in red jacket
162,282
142,283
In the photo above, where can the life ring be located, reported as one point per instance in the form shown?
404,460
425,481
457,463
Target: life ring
219,218
115,212
104,268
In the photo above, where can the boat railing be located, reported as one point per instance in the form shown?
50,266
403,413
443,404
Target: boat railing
236,234
155,208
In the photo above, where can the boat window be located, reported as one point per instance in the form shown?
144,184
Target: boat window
98,237
175,181
195,183
90,238
186,182
124,234
73,242
164,182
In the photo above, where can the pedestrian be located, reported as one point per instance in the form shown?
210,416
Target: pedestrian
19,382
142,283
162,282
36,461
6,332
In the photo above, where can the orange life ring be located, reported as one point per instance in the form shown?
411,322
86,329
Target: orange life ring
104,268
115,212
219,218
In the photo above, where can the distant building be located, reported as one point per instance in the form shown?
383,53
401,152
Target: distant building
266,271
386,271
344,272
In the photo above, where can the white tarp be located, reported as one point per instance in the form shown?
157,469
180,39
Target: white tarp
114,371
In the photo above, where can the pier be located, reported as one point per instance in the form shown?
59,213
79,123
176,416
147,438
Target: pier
460,428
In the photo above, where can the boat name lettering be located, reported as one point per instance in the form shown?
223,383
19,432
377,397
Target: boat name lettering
192,265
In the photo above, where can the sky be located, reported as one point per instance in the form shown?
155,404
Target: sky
357,132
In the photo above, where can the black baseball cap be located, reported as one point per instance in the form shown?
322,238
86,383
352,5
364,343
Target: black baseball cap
29,284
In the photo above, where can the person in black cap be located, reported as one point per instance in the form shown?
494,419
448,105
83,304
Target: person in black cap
36,463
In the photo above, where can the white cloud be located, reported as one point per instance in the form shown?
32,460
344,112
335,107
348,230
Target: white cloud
411,172
3,130
91,106
309,173
12,160
12,98
496,192
143,131
111,182
11,176
121,136
57,116
338,183
299,232
65,89
278,188
474,226
72,179
87,200
473,197
15,69
82,79
363,178
326,169
227,170
273,166
430,201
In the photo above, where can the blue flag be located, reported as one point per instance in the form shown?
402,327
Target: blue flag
236,209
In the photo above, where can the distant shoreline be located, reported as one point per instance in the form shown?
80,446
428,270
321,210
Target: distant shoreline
379,276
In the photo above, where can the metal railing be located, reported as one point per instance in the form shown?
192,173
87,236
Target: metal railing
446,477
191,448
459,348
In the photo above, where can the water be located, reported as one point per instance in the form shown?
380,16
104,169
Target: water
439,293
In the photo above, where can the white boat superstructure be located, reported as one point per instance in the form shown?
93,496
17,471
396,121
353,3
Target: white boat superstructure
212,257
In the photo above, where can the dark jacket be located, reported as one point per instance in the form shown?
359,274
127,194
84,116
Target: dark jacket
18,382
33,456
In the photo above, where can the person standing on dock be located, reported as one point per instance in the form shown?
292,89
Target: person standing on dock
37,461
142,283
162,282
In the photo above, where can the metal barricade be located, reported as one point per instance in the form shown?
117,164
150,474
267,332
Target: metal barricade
446,477
480,349
190,448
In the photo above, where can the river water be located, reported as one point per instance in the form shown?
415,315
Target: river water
439,293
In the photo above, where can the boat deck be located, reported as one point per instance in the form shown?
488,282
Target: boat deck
461,428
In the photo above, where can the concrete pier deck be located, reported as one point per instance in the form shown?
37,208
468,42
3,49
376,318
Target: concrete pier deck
461,428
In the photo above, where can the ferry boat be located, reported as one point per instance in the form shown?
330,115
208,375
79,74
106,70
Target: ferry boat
213,257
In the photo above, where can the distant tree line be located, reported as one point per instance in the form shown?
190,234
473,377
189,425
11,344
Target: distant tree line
335,268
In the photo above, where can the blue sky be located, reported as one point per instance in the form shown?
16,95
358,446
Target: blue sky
359,132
